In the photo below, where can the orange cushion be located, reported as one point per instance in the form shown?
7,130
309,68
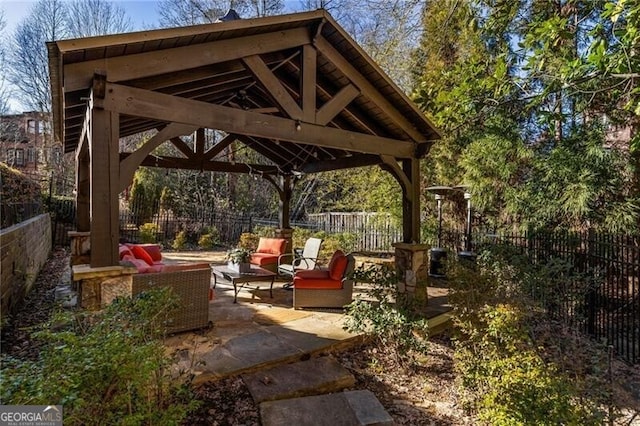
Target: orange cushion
271,245
124,250
141,254
336,254
313,274
263,259
338,267
154,251
315,280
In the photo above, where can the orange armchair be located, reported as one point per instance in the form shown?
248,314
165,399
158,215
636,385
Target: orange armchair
267,253
331,287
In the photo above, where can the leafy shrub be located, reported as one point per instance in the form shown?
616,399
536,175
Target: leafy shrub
248,241
209,239
387,316
180,241
109,367
511,371
148,232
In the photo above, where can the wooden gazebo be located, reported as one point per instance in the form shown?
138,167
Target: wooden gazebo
294,88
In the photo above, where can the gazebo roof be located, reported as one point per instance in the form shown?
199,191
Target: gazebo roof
261,66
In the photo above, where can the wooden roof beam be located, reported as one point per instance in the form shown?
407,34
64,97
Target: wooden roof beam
219,147
129,164
273,85
209,166
360,160
159,106
128,67
367,89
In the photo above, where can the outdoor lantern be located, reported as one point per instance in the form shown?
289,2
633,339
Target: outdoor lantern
438,255
467,254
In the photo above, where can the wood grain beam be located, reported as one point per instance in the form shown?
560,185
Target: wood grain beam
268,79
199,143
103,153
335,105
368,90
308,83
219,147
361,160
121,68
394,168
209,166
129,165
153,105
182,147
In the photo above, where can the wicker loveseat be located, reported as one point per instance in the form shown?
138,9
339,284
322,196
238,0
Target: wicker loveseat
189,282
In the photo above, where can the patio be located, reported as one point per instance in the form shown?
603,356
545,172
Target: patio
260,332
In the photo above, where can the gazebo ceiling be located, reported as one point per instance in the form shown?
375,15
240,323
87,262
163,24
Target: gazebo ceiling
258,66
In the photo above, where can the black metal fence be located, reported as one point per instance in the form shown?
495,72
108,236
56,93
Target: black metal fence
371,235
14,213
593,281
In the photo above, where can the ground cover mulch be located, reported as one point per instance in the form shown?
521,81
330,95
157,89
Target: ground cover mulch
424,395
35,309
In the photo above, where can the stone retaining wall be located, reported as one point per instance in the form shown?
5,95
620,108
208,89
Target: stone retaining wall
24,248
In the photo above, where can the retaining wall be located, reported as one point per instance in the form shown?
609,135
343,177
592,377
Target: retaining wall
24,248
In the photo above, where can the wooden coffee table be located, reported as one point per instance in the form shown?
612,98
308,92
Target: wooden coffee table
257,274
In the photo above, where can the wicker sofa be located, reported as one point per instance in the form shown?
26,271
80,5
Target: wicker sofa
189,282
191,287
331,287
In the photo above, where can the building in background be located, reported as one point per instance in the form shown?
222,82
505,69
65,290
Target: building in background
26,143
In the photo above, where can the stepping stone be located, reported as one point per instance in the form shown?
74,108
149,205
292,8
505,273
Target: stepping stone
337,409
312,377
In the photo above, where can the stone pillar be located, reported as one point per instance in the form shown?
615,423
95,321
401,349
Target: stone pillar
99,286
80,247
412,263
287,234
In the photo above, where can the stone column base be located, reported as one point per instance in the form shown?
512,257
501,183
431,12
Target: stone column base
412,263
98,287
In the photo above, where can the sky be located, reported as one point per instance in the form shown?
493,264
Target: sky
143,13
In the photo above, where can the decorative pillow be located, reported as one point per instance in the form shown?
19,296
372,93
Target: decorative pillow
140,264
154,251
124,250
141,254
271,245
337,265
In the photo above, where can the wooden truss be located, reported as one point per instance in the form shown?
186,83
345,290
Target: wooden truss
294,88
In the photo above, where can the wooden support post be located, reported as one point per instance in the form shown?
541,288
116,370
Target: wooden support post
199,145
105,180
411,202
285,202
83,188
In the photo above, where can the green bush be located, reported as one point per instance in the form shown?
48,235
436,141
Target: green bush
248,241
180,241
209,239
104,368
391,319
507,354
148,232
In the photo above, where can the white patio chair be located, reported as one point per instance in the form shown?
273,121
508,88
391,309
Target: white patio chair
307,260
